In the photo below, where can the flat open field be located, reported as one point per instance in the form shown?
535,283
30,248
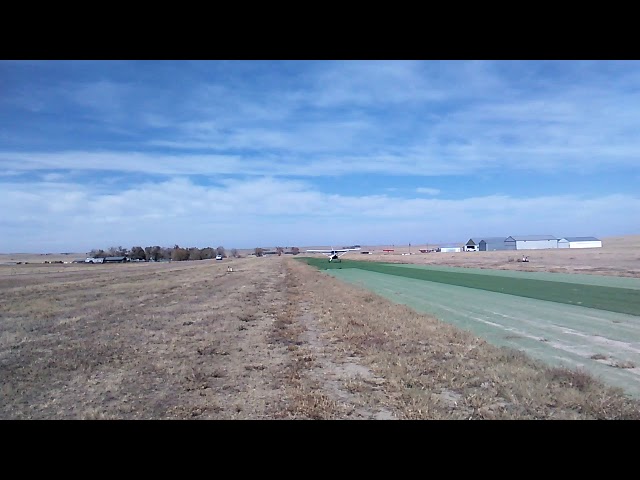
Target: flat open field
274,339
618,256
11,258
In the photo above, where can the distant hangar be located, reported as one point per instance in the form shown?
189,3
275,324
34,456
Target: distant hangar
487,244
529,242
579,242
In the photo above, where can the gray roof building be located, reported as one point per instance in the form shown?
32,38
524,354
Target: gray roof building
491,239
121,259
581,239
488,244
529,238
531,242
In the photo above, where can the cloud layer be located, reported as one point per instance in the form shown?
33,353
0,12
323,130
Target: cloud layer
268,211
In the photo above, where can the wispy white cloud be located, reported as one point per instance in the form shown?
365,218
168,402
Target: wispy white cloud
433,160
53,177
301,138
125,162
104,95
380,117
428,191
398,82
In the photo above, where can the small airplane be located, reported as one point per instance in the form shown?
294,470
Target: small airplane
335,254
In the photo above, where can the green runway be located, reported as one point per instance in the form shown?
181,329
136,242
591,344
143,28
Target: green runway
586,279
611,298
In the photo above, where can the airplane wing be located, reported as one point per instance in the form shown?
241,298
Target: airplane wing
333,254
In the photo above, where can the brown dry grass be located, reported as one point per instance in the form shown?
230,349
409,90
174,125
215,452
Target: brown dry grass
141,341
275,339
41,257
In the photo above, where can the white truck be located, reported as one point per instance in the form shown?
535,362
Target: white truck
93,260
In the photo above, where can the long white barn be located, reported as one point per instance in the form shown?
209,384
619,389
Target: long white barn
531,242
579,242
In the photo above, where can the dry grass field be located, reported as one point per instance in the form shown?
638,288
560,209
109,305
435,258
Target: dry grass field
619,256
6,258
274,339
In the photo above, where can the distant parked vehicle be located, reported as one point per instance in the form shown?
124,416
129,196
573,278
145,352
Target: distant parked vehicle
120,259
218,257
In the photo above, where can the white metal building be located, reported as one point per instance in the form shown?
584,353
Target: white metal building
531,242
450,249
579,242
471,246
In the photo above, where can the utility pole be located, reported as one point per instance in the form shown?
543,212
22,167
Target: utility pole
409,248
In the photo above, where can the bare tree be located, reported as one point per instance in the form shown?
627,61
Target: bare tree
179,254
259,251
117,251
234,253
195,254
137,253
164,253
220,251
154,253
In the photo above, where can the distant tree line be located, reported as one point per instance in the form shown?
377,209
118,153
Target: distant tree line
259,252
157,253
178,253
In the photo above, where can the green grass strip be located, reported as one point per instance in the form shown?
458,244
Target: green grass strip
612,299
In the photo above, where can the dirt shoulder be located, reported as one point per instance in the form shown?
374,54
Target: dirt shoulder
274,339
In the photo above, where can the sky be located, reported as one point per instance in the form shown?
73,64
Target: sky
242,154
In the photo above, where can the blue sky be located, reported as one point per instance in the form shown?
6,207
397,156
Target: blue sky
261,153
